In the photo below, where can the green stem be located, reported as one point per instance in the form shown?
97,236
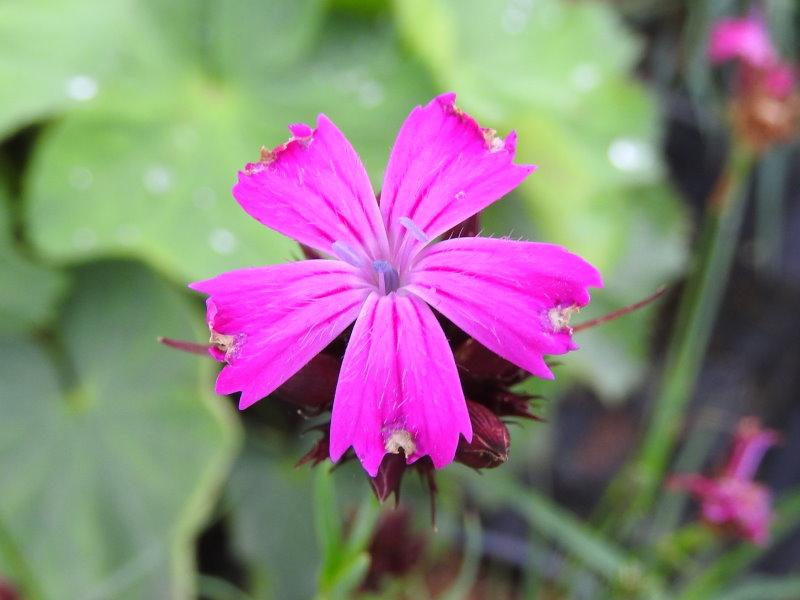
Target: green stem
697,314
626,574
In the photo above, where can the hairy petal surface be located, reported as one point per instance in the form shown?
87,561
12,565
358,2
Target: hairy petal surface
267,322
515,298
314,189
443,169
398,388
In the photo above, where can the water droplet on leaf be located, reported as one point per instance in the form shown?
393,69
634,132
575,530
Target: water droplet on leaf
82,88
222,241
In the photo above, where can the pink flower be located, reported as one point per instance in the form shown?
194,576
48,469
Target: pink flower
398,388
733,499
780,80
746,39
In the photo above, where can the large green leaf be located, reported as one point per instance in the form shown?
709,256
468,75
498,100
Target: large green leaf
510,57
29,290
248,39
149,176
56,55
558,73
154,186
110,454
273,523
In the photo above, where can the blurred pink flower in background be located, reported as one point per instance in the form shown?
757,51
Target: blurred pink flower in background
747,40
732,499
765,106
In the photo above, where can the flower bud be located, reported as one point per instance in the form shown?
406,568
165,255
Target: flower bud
490,439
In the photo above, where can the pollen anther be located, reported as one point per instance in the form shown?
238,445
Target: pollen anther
229,344
388,277
345,253
400,439
413,229
560,316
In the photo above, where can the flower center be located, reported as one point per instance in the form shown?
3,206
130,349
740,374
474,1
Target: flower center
379,273
388,277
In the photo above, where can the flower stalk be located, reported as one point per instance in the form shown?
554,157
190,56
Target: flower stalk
699,307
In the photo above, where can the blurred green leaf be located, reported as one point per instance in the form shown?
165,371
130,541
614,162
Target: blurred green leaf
149,176
349,576
361,8
111,454
155,187
216,588
29,290
651,250
577,539
345,561
470,564
273,524
327,522
45,68
765,588
511,57
248,39
592,130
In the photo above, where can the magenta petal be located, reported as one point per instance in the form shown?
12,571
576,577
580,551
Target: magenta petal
780,80
270,321
515,298
746,39
398,387
443,169
314,189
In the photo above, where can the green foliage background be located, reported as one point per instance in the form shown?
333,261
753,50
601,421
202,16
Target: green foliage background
137,114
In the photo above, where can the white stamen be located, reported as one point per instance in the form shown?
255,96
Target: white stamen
345,253
413,229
